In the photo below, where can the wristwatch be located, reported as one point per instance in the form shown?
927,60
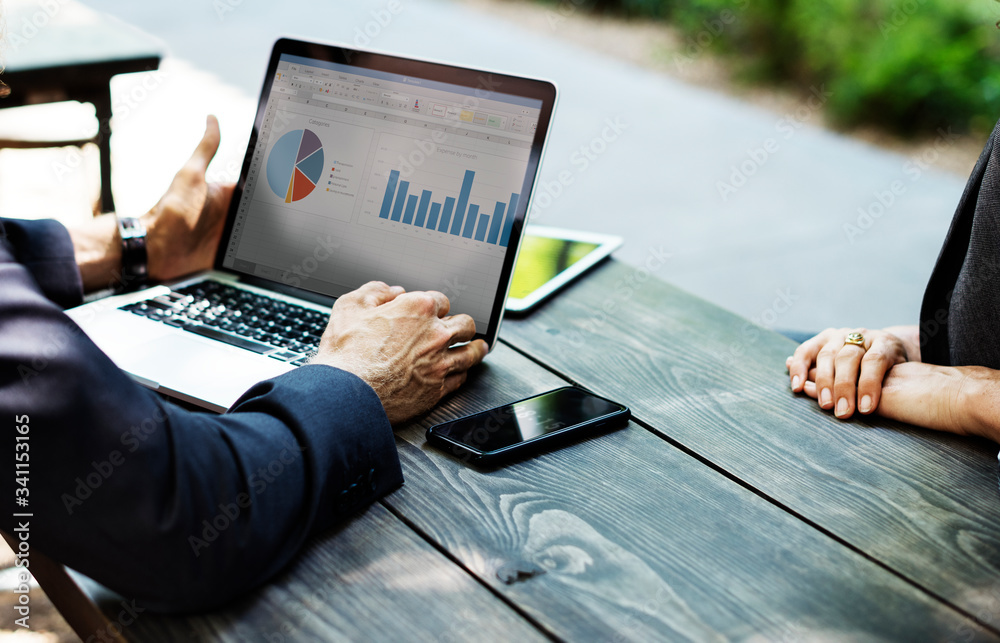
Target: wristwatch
134,259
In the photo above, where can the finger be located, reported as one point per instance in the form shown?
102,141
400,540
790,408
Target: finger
874,365
804,357
462,358
427,302
209,145
825,371
371,295
461,327
453,381
847,366
442,301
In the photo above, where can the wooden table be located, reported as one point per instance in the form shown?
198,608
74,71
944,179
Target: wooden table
729,509
60,50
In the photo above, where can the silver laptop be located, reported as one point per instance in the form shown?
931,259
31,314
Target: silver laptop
360,166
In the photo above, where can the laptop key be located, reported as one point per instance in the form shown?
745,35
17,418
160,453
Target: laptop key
229,338
178,322
153,303
286,356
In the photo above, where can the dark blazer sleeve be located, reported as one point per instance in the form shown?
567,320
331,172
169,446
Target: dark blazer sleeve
175,509
46,250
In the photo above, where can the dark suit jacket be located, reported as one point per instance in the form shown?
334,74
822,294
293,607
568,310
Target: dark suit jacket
178,510
960,314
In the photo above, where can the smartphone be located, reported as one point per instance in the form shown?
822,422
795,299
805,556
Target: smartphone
514,430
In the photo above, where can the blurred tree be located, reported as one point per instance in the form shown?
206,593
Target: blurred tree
906,65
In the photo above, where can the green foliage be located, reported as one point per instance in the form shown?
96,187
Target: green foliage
906,65
909,66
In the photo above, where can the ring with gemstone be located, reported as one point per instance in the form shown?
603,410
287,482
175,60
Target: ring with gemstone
855,338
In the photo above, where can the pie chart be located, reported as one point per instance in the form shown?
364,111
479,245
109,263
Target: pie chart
295,165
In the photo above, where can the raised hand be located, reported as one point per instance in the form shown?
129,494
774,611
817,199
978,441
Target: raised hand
184,228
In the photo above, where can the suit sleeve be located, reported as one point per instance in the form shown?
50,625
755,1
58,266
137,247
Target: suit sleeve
175,509
45,249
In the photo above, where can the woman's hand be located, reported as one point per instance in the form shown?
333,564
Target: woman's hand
845,377
958,399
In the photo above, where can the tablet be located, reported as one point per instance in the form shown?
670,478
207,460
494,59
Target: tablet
550,258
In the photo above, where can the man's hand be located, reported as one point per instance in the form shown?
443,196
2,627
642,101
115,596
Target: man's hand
845,377
958,399
184,228
402,345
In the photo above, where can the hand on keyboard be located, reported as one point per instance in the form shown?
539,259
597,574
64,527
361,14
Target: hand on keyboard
402,345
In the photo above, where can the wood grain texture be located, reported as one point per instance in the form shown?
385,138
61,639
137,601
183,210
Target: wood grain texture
624,537
372,580
924,503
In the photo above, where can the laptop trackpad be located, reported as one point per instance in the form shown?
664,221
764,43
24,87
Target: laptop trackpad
201,368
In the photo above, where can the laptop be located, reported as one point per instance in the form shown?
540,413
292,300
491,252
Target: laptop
360,166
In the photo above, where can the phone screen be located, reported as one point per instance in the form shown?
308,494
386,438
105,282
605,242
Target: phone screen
527,420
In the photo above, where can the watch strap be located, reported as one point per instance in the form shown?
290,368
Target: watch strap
134,257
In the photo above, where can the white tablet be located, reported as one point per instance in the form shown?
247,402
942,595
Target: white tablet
550,258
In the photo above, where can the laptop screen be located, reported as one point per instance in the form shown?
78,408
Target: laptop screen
358,173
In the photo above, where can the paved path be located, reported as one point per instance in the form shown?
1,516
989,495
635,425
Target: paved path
641,155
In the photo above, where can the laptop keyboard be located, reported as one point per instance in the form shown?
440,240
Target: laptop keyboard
255,322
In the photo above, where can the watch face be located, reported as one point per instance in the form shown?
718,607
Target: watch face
131,228
134,258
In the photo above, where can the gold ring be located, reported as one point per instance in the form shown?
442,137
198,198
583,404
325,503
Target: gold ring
855,338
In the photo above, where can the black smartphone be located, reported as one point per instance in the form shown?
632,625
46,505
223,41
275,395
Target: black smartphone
528,426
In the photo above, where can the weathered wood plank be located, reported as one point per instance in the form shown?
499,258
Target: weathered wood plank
624,537
924,503
372,580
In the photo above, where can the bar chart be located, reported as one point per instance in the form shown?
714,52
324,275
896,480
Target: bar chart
454,215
